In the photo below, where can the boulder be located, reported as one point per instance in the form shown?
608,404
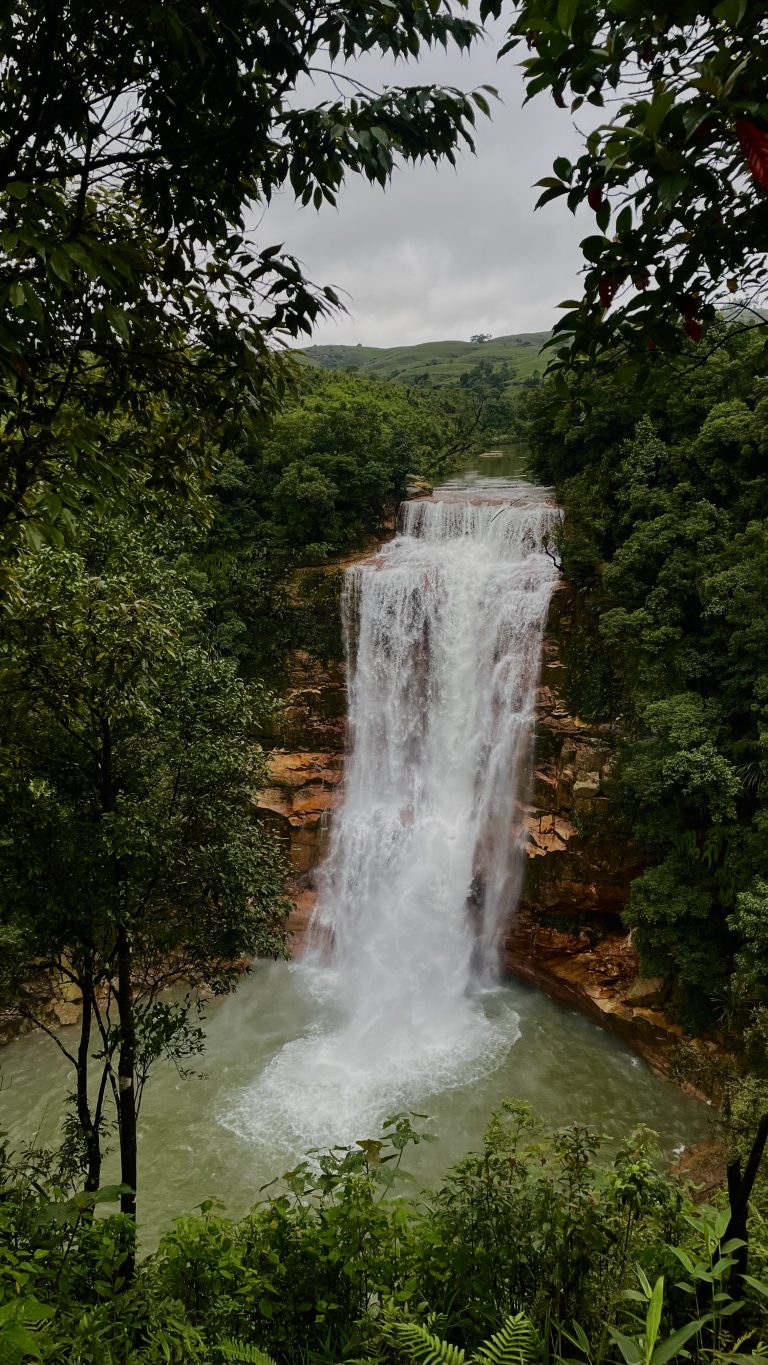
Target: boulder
646,991
417,487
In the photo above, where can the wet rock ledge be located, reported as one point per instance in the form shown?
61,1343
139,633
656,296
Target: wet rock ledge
305,770
567,937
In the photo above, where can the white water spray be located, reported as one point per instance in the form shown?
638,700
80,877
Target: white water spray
444,629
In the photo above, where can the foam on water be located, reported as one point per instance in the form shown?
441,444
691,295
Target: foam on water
443,634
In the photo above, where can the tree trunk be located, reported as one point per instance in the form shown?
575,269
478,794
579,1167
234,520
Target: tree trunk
126,1081
740,1190
89,1125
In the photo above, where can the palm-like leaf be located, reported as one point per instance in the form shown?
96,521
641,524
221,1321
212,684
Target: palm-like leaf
514,1344
234,1352
423,1347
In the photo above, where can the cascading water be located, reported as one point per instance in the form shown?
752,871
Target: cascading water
444,629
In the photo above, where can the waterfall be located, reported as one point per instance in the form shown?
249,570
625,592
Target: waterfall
443,632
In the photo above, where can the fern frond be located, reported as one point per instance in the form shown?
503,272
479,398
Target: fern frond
423,1347
514,1344
241,1353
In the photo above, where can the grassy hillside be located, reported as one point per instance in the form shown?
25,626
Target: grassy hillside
439,362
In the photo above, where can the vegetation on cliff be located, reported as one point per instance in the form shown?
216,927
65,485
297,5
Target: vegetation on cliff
315,482
665,540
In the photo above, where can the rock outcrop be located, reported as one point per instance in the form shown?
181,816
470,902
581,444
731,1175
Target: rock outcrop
304,778
567,937
595,974
302,791
578,863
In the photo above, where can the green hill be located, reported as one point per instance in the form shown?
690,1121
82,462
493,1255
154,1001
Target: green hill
434,362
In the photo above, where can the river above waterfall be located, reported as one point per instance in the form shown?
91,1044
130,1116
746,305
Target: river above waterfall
397,1003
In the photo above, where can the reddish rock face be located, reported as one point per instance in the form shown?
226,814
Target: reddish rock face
577,864
567,937
302,792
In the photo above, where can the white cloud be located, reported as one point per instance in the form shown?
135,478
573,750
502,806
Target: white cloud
444,252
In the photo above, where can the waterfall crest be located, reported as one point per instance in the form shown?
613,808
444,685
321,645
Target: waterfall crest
443,629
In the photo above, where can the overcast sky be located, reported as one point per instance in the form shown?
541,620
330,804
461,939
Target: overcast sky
443,253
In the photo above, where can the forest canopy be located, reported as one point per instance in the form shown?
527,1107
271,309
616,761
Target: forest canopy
664,542
141,317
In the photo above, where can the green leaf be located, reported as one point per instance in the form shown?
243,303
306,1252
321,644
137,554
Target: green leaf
33,302
674,1344
624,221
59,264
566,13
660,106
118,322
669,189
653,1317
628,1347
759,1285
684,1258
731,11
108,1194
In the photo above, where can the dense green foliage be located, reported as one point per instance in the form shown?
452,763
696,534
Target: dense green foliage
139,145
676,174
541,1243
666,541
151,524
129,857
321,478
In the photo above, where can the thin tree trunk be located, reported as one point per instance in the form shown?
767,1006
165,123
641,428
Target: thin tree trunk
126,1081
88,1125
740,1190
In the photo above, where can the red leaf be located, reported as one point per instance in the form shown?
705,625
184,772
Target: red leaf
607,292
595,198
694,329
754,144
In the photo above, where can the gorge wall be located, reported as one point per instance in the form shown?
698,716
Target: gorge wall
567,937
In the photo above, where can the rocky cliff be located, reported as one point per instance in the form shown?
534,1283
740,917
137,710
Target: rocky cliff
305,769
579,863
567,936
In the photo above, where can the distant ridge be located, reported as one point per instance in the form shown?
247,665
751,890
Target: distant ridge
439,362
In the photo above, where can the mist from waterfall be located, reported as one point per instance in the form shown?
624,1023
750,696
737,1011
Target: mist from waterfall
443,632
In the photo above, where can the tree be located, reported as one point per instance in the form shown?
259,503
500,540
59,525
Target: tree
677,175
665,542
484,406
139,143
129,857
479,337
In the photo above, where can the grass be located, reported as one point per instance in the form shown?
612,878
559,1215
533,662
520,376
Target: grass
442,362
